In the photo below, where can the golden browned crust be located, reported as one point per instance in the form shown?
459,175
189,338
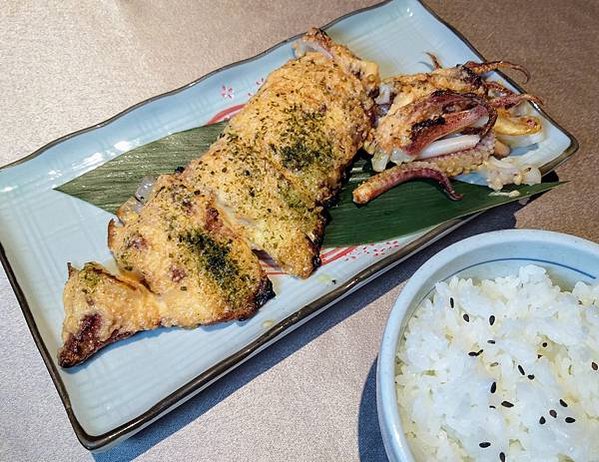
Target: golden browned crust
180,247
101,308
308,120
186,254
282,158
260,204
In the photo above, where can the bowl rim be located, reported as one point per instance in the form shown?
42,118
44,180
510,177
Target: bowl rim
394,439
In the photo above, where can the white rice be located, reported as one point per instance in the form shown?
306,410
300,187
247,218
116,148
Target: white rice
444,393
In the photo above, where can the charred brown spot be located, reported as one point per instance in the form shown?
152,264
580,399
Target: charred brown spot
85,342
177,274
265,292
187,205
316,261
318,234
439,93
421,127
469,101
212,219
471,77
137,242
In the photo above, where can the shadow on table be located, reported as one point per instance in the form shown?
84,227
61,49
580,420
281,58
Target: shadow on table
370,443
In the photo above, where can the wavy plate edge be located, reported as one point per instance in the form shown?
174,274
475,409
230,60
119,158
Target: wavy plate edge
304,314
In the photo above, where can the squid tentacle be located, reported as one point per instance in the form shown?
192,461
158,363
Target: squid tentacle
499,88
415,121
467,160
483,68
513,100
439,169
435,61
378,184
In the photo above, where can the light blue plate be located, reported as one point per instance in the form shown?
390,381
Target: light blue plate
130,384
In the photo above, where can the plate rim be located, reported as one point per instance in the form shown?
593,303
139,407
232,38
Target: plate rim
206,378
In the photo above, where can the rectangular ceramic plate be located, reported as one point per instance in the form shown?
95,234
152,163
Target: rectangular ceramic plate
131,383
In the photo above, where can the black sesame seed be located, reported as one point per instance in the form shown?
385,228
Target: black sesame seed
484,444
451,302
466,317
494,364
539,356
563,403
506,404
492,407
542,420
502,457
553,413
594,366
492,319
493,387
531,376
570,419
544,344
521,369
492,342
475,353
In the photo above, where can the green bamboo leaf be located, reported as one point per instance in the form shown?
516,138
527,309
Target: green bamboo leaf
111,184
408,208
405,209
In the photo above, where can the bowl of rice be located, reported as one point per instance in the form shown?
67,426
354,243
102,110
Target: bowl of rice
491,352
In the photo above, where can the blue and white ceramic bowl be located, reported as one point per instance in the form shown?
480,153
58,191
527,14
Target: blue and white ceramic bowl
566,258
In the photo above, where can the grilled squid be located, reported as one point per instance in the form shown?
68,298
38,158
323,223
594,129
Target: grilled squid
318,41
407,130
445,123
464,78
438,169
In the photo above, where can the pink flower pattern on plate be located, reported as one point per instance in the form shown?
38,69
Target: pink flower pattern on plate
377,250
227,92
259,83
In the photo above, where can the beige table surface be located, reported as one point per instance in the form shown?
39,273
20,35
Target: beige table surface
65,65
